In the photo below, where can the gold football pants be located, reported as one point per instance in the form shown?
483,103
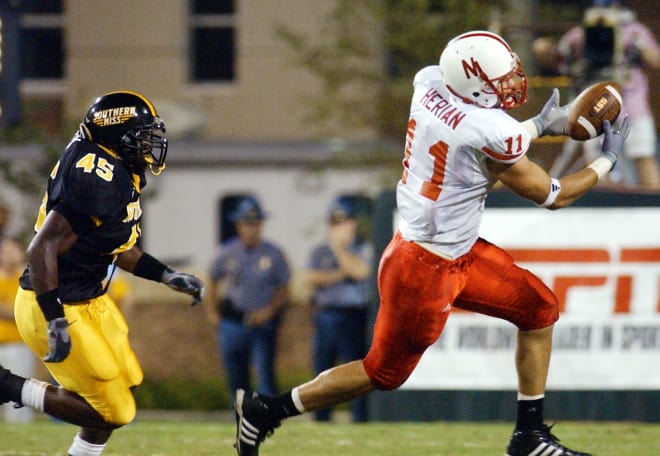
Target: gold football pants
101,366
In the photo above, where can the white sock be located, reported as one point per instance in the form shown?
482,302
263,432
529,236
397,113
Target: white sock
82,448
295,396
524,397
33,394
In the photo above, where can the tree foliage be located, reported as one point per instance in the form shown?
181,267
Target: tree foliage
367,53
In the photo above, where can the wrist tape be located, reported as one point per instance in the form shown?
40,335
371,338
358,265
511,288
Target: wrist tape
150,268
51,305
555,188
601,166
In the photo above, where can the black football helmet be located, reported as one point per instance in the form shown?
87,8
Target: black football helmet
127,123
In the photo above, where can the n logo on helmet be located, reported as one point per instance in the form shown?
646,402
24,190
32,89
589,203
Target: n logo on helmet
471,68
114,116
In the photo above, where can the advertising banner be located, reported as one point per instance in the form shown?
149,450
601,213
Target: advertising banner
604,266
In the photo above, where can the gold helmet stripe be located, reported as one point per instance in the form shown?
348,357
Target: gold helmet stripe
140,96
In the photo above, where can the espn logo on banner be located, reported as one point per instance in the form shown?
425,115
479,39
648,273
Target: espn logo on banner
598,261
631,263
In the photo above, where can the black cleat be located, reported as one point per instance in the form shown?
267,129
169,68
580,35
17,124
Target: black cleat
253,423
4,394
538,443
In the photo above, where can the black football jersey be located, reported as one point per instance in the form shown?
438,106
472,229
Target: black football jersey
101,200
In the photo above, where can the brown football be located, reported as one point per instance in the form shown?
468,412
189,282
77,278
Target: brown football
595,104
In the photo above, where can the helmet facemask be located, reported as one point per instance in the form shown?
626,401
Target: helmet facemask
145,146
511,89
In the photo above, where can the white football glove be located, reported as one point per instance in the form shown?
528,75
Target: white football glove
613,139
553,119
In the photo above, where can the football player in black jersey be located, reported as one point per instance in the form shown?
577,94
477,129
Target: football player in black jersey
89,220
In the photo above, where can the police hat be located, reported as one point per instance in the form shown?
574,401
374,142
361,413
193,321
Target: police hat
341,209
248,209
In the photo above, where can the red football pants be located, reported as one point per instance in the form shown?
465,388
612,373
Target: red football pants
418,289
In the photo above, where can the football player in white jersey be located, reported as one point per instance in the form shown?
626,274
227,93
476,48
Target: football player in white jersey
460,141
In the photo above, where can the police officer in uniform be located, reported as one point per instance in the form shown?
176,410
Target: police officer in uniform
255,274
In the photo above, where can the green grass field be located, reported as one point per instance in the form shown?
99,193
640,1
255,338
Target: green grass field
302,437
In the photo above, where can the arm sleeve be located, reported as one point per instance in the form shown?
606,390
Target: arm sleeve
504,139
87,194
216,268
80,223
283,273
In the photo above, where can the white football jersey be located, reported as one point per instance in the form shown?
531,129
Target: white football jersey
442,192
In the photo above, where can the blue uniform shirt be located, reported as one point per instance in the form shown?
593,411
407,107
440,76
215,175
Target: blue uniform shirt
347,293
252,274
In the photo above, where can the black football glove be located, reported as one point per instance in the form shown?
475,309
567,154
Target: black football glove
59,342
185,283
613,139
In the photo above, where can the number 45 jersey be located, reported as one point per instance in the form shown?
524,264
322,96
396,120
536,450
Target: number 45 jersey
443,189
100,199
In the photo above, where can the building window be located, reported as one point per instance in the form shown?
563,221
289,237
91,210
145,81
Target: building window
212,41
42,43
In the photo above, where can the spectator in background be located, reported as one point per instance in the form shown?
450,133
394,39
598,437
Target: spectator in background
611,45
14,354
338,273
248,303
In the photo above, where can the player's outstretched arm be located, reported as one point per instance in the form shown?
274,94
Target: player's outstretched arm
146,266
530,181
